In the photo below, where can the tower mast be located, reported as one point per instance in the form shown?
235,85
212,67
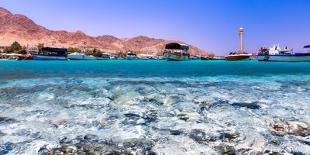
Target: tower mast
241,34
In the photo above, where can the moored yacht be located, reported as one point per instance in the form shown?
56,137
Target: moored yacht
176,52
238,56
80,56
276,53
48,53
131,56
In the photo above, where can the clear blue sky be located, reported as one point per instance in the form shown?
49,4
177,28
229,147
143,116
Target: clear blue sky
209,24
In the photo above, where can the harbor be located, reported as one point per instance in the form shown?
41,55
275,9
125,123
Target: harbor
172,51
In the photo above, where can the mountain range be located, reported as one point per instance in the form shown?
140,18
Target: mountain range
17,27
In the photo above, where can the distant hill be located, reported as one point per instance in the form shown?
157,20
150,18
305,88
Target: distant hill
16,27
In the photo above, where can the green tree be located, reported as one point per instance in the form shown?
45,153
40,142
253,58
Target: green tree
121,55
40,46
73,49
98,54
7,50
16,47
22,51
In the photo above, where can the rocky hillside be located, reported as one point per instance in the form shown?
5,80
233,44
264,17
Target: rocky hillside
16,27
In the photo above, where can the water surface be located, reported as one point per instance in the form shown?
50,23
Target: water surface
191,107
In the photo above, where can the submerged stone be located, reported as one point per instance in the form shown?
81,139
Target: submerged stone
6,120
2,134
140,146
298,153
91,138
253,105
228,136
183,117
272,152
175,132
6,148
90,144
290,128
198,135
226,150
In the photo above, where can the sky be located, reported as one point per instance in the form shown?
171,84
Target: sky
211,25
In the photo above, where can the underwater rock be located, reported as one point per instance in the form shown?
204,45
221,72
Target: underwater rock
154,101
183,117
132,118
271,152
150,116
298,153
139,146
252,105
215,104
6,148
91,138
2,134
198,135
175,132
90,144
228,136
140,119
305,142
6,120
68,149
43,150
282,128
226,150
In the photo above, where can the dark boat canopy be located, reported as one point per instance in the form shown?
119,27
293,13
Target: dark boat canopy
53,51
176,46
308,46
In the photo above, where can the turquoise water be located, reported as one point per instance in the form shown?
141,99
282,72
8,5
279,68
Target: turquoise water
154,107
140,68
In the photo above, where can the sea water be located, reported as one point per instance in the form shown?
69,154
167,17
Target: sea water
152,107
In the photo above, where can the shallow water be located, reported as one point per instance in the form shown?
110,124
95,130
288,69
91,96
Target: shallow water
152,107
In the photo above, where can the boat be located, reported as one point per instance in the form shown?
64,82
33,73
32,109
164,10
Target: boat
48,53
276,53
80,56
104,56
131,56
176,52
238,56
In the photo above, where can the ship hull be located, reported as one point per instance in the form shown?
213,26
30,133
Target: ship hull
44,57
298,57
237,57
175,57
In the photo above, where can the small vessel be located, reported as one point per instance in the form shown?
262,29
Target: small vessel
104,56
276,53
80,56
48,53
205,58
131,56
238,56
176,52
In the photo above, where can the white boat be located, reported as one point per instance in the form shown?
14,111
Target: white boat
276,53
131,56
238,56
80,56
